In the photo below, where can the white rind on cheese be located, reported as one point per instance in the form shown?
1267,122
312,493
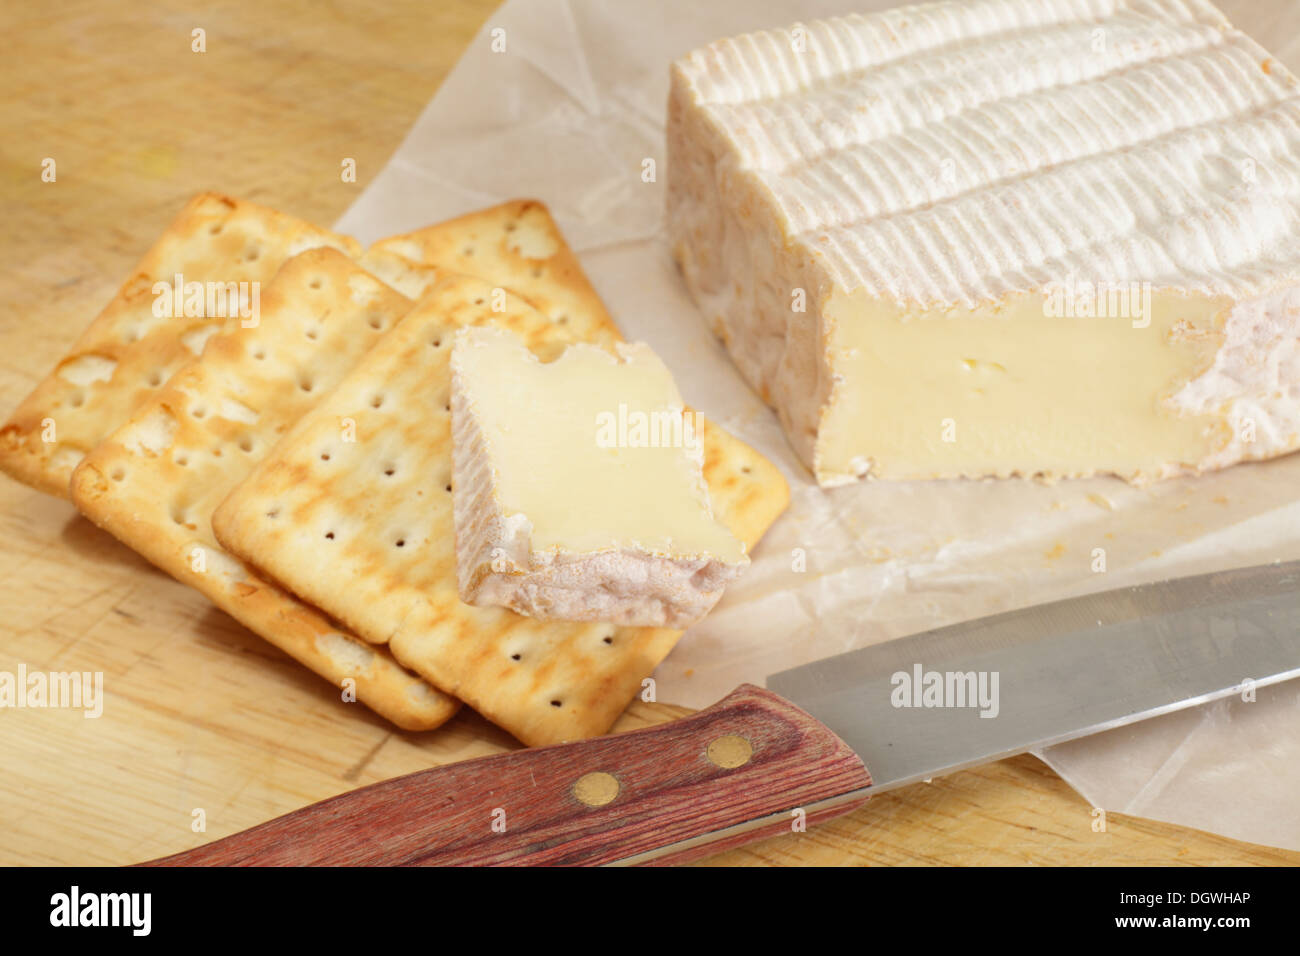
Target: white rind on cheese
948,163
549,524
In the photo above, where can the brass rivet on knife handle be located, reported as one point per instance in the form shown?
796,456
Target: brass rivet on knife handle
730,751
596,789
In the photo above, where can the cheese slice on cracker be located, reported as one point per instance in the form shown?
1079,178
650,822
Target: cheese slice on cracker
364,528
579,487
154,482
208,266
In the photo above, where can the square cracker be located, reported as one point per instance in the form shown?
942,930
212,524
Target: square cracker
363,528
517,245
127,352
155,481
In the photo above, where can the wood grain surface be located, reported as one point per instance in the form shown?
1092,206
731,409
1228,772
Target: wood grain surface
203,722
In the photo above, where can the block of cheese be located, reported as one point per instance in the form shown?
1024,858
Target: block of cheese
578,486
1000,237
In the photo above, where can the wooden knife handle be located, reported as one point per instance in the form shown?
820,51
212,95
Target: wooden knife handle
750,756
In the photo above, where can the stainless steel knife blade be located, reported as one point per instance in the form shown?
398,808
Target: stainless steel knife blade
1063,670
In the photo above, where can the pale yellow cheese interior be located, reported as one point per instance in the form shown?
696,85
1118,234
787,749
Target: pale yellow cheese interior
1013,390
570,445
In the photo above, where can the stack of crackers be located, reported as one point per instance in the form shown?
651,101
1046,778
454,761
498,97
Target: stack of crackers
289,455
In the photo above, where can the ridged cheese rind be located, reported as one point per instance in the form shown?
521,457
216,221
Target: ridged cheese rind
957,155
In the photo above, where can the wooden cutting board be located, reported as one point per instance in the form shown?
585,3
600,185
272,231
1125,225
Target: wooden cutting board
202,719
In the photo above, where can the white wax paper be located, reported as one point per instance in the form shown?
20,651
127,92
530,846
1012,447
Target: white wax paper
567,113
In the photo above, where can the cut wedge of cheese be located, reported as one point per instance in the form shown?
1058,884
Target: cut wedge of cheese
1000,237
578,486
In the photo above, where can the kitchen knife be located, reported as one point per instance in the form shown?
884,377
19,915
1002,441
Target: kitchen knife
760,762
